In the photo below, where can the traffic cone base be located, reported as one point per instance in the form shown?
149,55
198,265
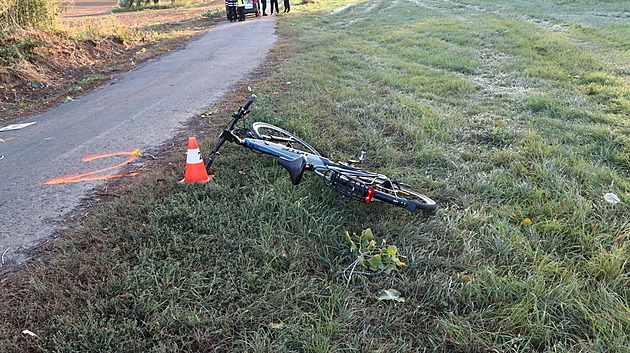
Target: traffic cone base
195,169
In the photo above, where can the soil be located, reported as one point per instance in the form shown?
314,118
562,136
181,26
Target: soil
88,11
85,8
61,67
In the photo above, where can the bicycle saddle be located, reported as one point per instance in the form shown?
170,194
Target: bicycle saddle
295,167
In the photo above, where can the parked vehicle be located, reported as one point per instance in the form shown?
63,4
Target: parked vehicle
251,7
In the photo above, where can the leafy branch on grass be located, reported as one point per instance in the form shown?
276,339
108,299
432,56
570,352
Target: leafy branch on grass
374,259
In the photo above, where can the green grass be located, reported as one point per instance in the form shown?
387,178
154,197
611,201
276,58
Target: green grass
142,5
502,112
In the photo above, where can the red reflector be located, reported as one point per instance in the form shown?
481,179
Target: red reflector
370,195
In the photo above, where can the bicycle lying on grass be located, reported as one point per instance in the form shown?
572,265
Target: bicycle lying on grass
296,156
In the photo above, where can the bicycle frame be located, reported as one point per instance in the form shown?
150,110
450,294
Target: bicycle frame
343,178
280,151
317,164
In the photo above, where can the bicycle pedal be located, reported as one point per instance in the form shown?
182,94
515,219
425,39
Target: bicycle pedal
362,155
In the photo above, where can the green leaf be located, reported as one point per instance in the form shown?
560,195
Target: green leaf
390,294
389,268
367,235
391,250
206,113
375,263
362,261
353,247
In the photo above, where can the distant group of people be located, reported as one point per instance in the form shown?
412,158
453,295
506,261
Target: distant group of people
287,6
236,8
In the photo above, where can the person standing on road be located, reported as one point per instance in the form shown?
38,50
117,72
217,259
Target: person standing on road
231,10
264,5
241,9
276,3
287,7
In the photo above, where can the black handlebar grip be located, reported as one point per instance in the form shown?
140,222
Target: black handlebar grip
249,102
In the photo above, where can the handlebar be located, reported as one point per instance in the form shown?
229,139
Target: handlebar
249,102
241,112
227,134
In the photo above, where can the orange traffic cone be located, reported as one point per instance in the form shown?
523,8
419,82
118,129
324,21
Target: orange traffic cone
195,169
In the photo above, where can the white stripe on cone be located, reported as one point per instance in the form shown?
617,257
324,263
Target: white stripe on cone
193,157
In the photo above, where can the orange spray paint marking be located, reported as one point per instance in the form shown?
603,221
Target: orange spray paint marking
87,176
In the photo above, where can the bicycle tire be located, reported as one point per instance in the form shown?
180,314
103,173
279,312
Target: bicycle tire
272,133
390,191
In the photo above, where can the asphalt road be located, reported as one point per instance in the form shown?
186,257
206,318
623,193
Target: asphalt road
141,110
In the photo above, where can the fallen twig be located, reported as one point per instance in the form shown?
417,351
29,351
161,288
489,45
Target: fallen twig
152,156
4,253
107,194
352,267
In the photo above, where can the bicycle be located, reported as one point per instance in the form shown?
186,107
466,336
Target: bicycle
296,156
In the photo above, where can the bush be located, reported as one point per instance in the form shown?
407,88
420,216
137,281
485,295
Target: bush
216,13
136,3
28,13
14,49
130,3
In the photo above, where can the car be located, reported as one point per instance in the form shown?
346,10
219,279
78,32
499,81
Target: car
251,7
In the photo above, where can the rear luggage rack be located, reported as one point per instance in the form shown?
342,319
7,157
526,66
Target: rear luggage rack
348,187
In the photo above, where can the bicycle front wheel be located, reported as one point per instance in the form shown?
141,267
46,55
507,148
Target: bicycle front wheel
271,133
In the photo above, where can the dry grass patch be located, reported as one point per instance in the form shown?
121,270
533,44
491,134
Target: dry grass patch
40,68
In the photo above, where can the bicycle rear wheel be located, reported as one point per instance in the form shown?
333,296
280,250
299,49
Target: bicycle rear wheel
403,197
271,133
385,190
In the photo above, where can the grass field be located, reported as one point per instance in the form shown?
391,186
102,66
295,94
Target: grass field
514,116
